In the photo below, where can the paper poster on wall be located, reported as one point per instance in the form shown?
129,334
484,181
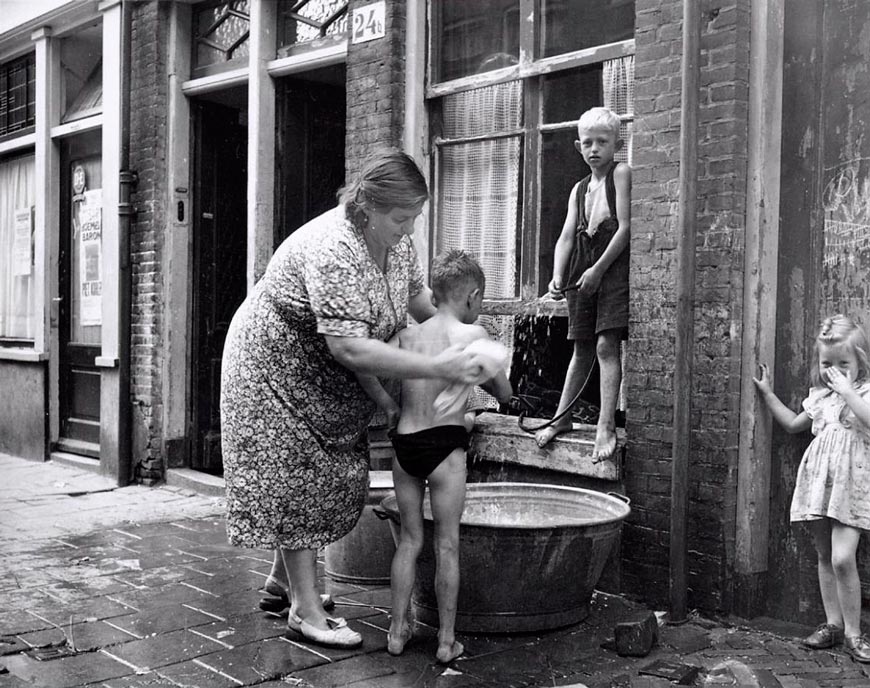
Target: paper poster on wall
90,257
22,246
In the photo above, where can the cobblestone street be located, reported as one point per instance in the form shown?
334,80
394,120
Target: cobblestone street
133,587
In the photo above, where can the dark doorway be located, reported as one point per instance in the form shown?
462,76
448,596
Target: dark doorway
219,263
80,295
310,158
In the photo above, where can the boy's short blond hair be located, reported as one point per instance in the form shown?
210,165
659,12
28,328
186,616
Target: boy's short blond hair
599,118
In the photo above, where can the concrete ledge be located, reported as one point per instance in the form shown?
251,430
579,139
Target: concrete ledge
201,483
498,438
76,461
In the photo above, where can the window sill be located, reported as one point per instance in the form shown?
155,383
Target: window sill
23,355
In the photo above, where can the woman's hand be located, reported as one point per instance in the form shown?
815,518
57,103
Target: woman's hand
456,365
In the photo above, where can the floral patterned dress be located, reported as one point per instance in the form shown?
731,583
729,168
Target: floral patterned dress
833,478
293,419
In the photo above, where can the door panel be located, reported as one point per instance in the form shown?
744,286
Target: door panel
220,264
311,126
80,297
824,251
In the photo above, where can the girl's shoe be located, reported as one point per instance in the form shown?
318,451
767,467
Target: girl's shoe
825,636
858,648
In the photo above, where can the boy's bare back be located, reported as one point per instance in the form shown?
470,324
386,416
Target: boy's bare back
431,337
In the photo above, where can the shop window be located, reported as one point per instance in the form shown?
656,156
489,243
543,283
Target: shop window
303,21
221,32
17,95
17,279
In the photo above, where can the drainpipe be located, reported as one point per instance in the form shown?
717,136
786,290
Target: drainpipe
126,213
685,330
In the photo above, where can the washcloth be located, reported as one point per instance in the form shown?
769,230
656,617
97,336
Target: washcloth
491,356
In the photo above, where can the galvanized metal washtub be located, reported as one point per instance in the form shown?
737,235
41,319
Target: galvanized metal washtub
365,554
530,555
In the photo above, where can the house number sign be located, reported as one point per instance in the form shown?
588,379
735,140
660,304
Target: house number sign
369,22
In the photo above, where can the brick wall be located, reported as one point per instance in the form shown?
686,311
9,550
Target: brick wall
718,296
148,99
376,89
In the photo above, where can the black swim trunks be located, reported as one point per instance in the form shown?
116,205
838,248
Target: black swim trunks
420,453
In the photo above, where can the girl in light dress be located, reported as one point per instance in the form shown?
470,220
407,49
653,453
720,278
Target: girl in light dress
832,489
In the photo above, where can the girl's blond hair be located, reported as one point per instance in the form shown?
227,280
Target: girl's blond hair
841,329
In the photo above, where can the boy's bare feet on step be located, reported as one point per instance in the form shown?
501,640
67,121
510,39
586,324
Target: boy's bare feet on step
544,436
447,652
605,443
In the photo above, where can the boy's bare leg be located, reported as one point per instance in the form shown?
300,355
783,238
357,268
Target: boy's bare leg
610,372
409,499
447,492
578,370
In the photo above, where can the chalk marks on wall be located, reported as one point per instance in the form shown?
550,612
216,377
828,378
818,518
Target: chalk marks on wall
846,201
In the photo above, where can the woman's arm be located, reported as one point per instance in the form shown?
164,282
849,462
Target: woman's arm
374,357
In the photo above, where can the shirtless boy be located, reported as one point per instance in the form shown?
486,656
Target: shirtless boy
431,440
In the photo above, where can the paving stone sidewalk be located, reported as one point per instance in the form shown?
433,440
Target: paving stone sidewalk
133,587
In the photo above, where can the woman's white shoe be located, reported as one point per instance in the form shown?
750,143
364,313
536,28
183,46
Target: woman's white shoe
339,634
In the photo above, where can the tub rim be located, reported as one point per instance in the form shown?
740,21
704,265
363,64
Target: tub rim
391,510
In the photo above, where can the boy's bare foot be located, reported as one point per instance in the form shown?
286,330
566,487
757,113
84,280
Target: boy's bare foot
447,652
605,444
397,639
545,436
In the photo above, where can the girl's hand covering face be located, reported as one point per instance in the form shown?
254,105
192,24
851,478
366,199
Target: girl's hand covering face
836,380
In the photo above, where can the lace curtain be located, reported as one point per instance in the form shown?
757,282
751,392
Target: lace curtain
17,197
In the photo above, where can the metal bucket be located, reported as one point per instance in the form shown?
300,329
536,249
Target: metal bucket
365,554
529,555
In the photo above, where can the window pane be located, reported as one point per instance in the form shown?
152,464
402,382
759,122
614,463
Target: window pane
17,293
568,94
561,167
479,181
221,32
475,37
299,23
576,24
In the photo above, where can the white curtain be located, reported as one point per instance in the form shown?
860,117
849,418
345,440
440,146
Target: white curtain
479,195
618,88
17,306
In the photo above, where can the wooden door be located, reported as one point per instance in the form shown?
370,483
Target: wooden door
220,264
311,132
80,294
824,260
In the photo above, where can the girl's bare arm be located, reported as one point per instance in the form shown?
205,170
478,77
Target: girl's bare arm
790,421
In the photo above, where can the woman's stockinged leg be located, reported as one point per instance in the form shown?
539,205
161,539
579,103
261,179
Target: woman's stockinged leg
301,567
822,536
844,547
409,499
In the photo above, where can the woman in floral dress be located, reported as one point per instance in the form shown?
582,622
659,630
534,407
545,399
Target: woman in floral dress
293,415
